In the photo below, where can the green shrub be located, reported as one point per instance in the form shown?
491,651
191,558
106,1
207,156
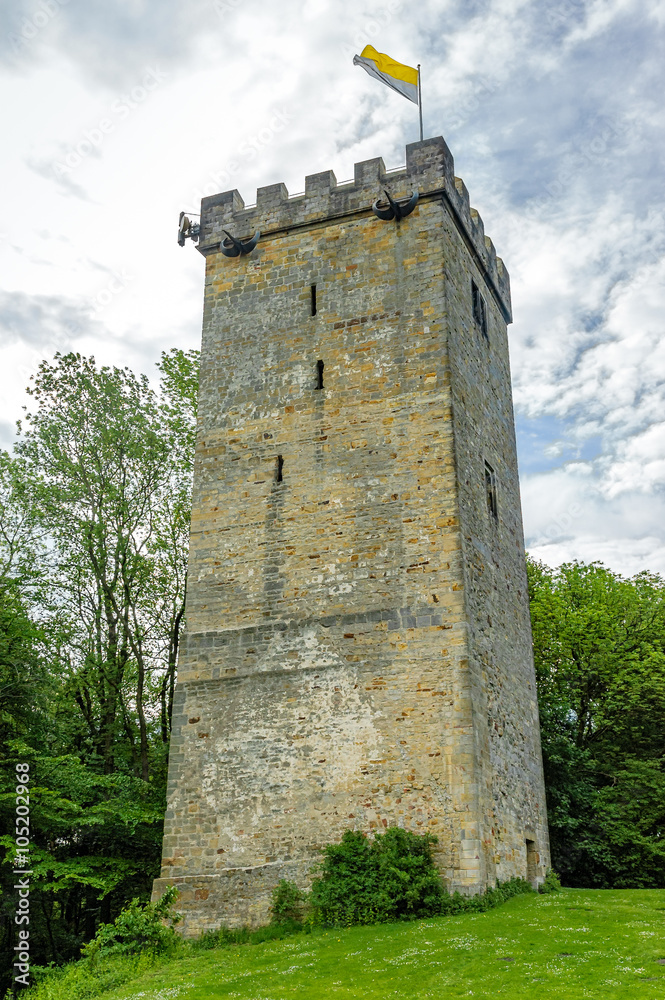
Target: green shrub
138,929
392,877
552,882
288,903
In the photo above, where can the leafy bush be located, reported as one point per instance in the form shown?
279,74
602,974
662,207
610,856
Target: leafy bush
392,877
552,882
138,929
288,903
365,882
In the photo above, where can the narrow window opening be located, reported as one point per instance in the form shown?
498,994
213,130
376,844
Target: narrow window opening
279,467
313,299
319,374
532,861
490,491
479,307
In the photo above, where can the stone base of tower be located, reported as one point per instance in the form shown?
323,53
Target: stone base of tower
232,897
241,897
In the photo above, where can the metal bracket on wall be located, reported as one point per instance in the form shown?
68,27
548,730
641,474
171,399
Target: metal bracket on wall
188,230
396,210
236,248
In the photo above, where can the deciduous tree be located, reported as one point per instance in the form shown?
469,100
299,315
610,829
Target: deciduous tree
599,646
94,524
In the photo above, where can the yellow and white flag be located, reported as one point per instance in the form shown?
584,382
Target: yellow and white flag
403,79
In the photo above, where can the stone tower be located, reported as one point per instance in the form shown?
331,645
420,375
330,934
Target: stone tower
358,647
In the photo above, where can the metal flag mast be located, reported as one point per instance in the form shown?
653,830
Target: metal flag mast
420,105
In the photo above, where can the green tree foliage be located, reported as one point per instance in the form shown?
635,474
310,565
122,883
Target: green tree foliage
98,462
599,645
21,668
94,522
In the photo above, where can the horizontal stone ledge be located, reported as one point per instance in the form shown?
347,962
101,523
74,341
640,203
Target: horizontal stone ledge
218,638
228,872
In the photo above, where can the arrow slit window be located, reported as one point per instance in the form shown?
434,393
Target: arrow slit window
490,492
479,307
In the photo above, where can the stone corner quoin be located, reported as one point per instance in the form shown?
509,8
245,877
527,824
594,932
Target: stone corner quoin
358,647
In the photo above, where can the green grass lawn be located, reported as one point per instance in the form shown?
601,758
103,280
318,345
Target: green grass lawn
573,944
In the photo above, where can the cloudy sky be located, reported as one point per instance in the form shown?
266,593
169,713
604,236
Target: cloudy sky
118,114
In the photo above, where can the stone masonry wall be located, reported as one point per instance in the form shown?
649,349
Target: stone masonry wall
338,671
505,707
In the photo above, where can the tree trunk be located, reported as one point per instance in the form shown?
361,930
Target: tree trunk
140,711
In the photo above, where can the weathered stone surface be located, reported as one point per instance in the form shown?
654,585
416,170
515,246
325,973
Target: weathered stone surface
358,647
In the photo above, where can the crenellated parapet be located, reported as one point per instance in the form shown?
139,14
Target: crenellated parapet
429,169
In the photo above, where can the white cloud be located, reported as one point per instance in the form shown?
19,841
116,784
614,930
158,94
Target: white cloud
569,516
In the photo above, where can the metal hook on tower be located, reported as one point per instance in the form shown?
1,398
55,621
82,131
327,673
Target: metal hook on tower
233,247
397,210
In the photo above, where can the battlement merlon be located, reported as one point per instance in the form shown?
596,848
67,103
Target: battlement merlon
429,168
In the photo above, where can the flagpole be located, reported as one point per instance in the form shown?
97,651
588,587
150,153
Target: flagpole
420,105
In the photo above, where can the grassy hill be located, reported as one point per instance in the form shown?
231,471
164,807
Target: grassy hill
573,944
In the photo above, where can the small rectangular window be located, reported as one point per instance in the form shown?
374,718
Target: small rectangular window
279,469
490,491
319,374
313,299
479,309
